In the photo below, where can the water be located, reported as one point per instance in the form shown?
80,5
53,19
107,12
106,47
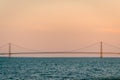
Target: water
59,68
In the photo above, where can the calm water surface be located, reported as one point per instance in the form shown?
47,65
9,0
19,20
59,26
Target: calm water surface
59,68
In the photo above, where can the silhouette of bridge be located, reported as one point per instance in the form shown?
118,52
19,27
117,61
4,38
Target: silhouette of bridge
10,51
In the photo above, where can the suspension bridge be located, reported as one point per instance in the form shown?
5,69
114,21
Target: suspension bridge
100,52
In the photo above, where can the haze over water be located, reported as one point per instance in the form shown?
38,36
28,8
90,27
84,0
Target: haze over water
59,25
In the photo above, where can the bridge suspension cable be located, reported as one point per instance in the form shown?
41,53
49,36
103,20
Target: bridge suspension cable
3,46
84,47
114,46
24,48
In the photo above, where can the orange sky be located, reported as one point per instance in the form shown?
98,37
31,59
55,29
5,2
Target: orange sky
58,25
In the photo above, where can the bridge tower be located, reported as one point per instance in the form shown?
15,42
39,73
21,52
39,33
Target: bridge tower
9,45
101,49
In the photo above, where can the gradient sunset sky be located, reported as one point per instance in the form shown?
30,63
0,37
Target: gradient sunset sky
59,25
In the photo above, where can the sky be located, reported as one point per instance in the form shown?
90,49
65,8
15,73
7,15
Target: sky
59,25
